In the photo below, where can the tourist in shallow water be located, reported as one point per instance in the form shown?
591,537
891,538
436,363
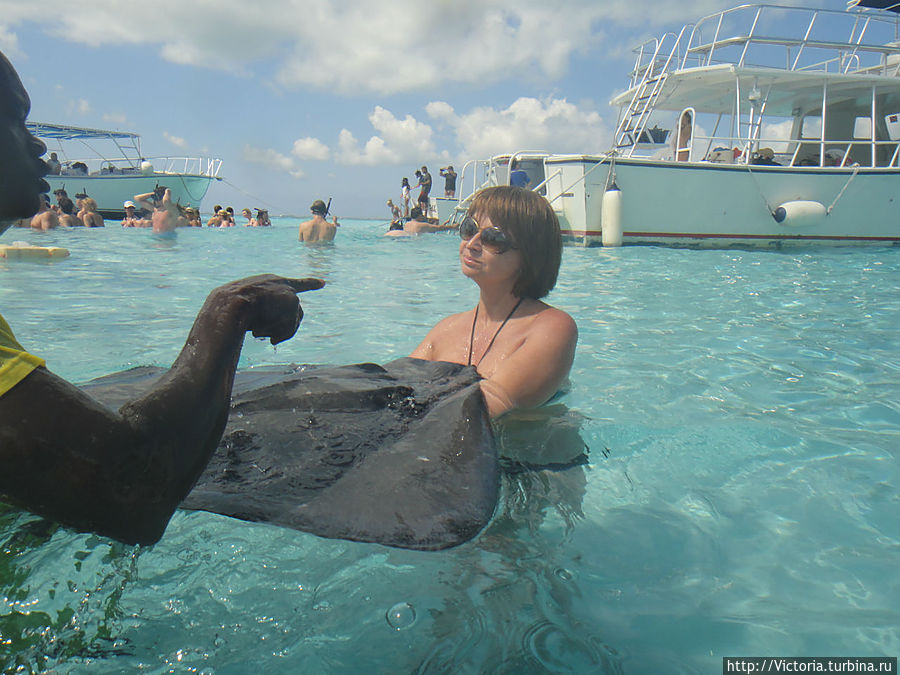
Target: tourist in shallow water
523,348
46,218
164,213
317,228
67,217
69,458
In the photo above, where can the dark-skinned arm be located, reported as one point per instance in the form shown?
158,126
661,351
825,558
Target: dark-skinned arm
122,474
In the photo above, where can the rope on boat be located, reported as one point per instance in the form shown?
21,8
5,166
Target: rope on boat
188,190
846,185
253,197
759,189
827,211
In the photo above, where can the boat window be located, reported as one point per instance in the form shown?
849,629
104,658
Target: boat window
893,126
811,127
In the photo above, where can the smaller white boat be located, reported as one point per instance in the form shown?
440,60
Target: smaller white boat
109,167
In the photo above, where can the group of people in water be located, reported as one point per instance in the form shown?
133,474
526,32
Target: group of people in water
154,210
65,213
123,473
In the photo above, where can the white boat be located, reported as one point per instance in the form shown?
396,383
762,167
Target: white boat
787,127
108,166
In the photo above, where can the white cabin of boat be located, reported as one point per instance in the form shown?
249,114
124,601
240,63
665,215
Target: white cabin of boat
771,108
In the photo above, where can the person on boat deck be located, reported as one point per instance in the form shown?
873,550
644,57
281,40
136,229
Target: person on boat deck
88,213
69,458
518,177
67,217
53,164
317,228
449,181
523,348
164,212
46,218
404,196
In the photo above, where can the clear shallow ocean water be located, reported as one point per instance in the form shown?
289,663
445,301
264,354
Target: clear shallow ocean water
741,410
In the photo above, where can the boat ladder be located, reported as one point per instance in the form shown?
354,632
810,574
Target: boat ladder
637,114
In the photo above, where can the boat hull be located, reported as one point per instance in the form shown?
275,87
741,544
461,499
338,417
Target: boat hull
112,190
718,205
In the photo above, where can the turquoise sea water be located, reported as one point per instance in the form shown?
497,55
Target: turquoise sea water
742,412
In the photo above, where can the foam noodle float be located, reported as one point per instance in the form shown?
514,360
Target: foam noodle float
23,251
401,454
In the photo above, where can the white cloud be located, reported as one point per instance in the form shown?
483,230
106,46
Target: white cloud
78,106
397,141
117,119
353,46
174,140
9,43
310,148
271,159
553,125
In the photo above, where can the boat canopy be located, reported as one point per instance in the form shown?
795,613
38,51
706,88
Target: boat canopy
63,132
889,5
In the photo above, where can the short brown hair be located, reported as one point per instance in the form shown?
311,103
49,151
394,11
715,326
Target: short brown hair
531,223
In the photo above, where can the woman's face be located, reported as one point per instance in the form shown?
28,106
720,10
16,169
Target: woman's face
483,264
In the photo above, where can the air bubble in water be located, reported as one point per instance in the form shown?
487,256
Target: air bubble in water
401,616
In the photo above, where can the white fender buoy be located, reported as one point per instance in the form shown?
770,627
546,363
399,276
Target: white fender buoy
611,216
799,213
146,168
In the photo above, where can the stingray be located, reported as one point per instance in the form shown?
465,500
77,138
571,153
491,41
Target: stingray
401,454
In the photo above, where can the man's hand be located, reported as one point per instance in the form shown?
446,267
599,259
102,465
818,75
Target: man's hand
269,303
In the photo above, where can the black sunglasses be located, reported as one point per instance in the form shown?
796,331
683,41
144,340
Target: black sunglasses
491,237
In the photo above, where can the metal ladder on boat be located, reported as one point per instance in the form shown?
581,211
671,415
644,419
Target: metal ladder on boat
637,114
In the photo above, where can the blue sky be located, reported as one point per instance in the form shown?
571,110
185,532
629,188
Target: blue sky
310,99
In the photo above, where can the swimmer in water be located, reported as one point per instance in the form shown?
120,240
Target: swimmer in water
317,228
164,212
523,348
118,473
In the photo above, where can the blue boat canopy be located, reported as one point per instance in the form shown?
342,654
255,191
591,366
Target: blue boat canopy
889,5
66,133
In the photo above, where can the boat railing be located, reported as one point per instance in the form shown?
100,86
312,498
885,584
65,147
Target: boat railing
197,166
833,40
792,152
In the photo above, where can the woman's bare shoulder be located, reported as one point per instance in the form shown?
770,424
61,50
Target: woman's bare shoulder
556,321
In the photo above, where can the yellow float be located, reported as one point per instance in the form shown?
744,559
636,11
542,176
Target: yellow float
20,250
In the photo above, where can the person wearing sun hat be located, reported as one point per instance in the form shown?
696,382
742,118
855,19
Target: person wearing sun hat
317,228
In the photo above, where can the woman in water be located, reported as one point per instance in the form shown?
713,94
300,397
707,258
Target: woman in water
522,347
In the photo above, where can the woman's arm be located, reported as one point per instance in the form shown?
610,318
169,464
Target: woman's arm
535,371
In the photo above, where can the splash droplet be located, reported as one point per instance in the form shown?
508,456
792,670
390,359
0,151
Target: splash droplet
401,616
